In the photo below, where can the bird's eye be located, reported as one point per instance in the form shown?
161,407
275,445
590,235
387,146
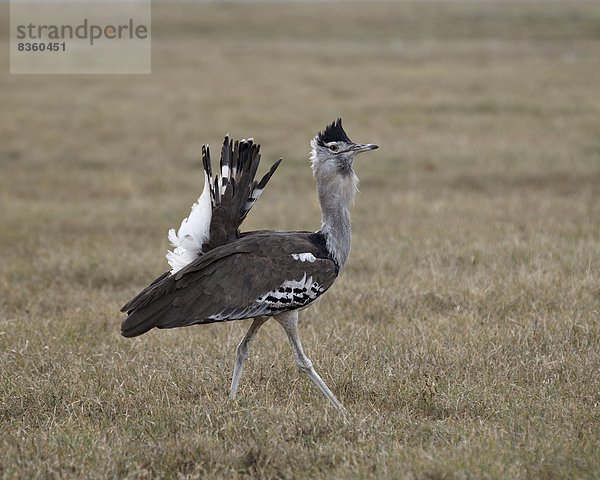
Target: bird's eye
333,148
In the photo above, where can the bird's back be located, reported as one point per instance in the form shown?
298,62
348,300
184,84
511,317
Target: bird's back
259,274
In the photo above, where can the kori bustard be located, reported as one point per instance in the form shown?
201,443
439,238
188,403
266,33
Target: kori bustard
219,274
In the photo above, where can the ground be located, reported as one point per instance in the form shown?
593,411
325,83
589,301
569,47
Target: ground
463,336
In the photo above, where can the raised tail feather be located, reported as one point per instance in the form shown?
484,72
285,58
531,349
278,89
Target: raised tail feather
214,220
234,190
224,203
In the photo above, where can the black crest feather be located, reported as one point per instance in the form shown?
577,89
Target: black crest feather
333,133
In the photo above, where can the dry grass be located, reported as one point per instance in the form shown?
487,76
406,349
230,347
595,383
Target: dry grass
464,336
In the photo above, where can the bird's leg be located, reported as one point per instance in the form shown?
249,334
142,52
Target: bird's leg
242,354
289,322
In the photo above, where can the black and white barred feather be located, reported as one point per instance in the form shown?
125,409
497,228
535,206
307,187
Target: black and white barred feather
225,201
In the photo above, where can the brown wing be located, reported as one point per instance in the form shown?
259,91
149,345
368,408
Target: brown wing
260,274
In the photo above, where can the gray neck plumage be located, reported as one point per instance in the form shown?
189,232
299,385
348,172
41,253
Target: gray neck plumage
336,195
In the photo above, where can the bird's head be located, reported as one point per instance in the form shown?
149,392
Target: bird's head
333,152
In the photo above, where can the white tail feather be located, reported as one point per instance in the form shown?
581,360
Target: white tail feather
193,232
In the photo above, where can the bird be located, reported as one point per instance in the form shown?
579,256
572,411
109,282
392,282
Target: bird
220,274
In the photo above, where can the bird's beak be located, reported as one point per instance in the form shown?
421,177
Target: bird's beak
363,147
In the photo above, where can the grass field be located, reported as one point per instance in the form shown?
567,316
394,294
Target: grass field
463,336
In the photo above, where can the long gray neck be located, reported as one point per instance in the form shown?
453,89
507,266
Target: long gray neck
336,194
